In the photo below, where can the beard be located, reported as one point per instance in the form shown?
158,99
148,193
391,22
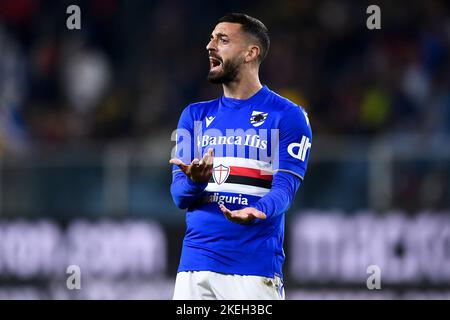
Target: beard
229,73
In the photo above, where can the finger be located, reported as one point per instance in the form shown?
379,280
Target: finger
208,164
259,214
223,208
179,163
205,158
225,211
210,158
239,217
238,214
202,160
195,161
175,161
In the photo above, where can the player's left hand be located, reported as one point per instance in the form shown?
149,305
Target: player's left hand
242,216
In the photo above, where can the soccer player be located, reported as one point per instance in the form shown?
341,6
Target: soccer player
239,162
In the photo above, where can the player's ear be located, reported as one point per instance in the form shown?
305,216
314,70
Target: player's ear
252,53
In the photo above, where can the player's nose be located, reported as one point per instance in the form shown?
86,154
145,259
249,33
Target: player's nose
211,45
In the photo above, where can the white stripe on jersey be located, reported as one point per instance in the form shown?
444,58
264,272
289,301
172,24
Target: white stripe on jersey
237,188
243,162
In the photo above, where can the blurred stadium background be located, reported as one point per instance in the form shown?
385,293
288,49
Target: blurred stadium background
85,136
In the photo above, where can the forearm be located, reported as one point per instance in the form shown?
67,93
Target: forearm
279,199
184,191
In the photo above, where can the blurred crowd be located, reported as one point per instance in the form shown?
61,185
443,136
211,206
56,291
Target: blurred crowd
134,65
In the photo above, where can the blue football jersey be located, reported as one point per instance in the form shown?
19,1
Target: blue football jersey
253,140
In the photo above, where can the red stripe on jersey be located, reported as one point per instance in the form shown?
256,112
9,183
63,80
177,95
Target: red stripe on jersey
249,172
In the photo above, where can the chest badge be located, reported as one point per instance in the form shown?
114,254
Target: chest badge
221,173
258,117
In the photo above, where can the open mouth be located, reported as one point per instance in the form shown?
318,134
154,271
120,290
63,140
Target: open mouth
214,63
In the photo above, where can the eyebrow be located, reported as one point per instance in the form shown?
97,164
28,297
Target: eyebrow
220,35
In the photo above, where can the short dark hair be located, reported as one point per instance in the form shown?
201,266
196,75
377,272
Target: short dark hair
253,27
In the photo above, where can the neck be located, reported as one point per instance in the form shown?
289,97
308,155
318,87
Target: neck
245,86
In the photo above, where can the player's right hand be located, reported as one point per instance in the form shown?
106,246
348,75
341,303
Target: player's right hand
199,171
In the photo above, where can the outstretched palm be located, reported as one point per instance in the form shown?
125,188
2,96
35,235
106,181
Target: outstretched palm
242,216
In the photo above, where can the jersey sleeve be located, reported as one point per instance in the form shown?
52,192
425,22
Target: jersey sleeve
281,195
295,139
